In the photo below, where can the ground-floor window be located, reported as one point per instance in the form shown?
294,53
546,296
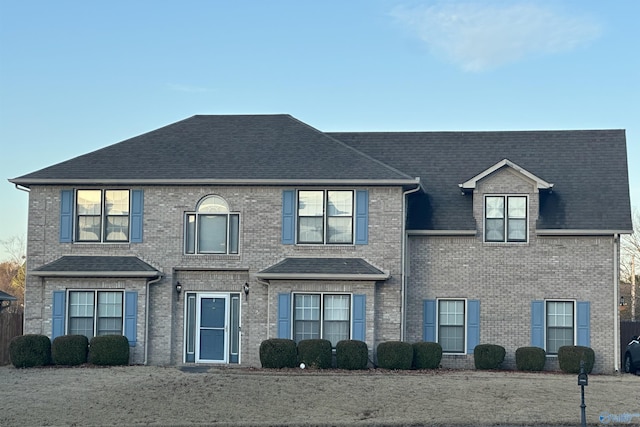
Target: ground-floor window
325,316
451,326
94,313
560,322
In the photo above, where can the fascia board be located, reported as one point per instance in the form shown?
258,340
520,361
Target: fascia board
314,276
207,181
580,232
128,274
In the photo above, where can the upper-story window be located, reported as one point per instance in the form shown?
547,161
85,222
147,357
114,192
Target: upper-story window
212,228
102,215
325,216
505,219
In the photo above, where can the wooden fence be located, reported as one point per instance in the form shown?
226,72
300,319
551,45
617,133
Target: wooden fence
628,330
10,326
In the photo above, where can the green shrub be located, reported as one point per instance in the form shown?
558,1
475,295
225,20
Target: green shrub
395,355
488,356
109,350
30,350
530,358
278,353
352,355
70,350
569,357
315,353
426,355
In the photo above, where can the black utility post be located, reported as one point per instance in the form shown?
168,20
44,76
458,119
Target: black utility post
583,380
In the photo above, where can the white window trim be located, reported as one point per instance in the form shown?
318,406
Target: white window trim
464,326
103,217
196,213
575,322
95,307
506,219
322,294
325,217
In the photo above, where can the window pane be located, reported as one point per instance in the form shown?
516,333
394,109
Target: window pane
117,228
336,331
560,313
212,233
310,203
306,330
451,338
517,230
109,313
190,234
234,221
494,230
116,202
340,230
310,230
451,325
340,203
336,307
81,314
517,207
557,337
495,207
89,228
89,202
213,204
307,307
81,326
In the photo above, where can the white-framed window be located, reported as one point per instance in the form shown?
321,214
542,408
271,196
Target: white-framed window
212,228
102,215
326,316
505,218
451,318
94,313
325,216
560,319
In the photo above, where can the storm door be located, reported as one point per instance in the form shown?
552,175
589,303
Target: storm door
212,329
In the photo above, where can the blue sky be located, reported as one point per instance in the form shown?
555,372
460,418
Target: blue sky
76,76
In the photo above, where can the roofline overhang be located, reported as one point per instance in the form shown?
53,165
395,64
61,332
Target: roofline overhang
580,232
278,182
540,183
119,274
324,276
442,232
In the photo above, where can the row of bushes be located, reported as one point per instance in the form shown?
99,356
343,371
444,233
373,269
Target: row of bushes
69,350
351,354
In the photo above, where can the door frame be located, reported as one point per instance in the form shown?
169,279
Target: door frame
199,298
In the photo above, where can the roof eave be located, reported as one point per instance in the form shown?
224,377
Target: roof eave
122,274
210,181
323,276
580,232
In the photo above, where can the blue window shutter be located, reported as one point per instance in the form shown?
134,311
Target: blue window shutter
66,216
288,217
137,209
429,320
584,315
284,316
537,324
473,325
131,317
359,326
57,314
362,217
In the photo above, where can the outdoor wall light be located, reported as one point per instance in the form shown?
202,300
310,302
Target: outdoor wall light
621,301
178,288
245,288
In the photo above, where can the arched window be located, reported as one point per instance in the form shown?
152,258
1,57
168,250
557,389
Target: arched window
212,228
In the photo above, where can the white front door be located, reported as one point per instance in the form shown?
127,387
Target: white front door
212,329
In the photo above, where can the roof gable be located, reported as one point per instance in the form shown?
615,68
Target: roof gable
470,184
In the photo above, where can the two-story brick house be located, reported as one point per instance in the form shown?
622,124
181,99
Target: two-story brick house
201,239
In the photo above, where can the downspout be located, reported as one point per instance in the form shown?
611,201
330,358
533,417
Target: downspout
25,189
616,313
403,293
146,318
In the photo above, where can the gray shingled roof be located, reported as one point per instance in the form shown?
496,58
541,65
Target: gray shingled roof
219,148
335,268
588,169
97,266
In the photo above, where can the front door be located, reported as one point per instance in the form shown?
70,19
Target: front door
212,330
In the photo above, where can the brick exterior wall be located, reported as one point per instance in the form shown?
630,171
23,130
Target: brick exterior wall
507,277
259,247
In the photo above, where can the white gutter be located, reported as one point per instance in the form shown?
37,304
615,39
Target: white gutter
94,273
200,181
403,259
580,232
323,276
616,313
25,189
146,319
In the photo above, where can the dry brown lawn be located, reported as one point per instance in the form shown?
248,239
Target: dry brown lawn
151,395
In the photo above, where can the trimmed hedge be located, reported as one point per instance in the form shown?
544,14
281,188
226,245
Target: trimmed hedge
278,353
315,353
530,358
109,350
569,357
426,355
488,356
70,350
30,350
395,355
352,355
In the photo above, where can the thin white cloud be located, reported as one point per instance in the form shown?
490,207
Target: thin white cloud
482,36
188,88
